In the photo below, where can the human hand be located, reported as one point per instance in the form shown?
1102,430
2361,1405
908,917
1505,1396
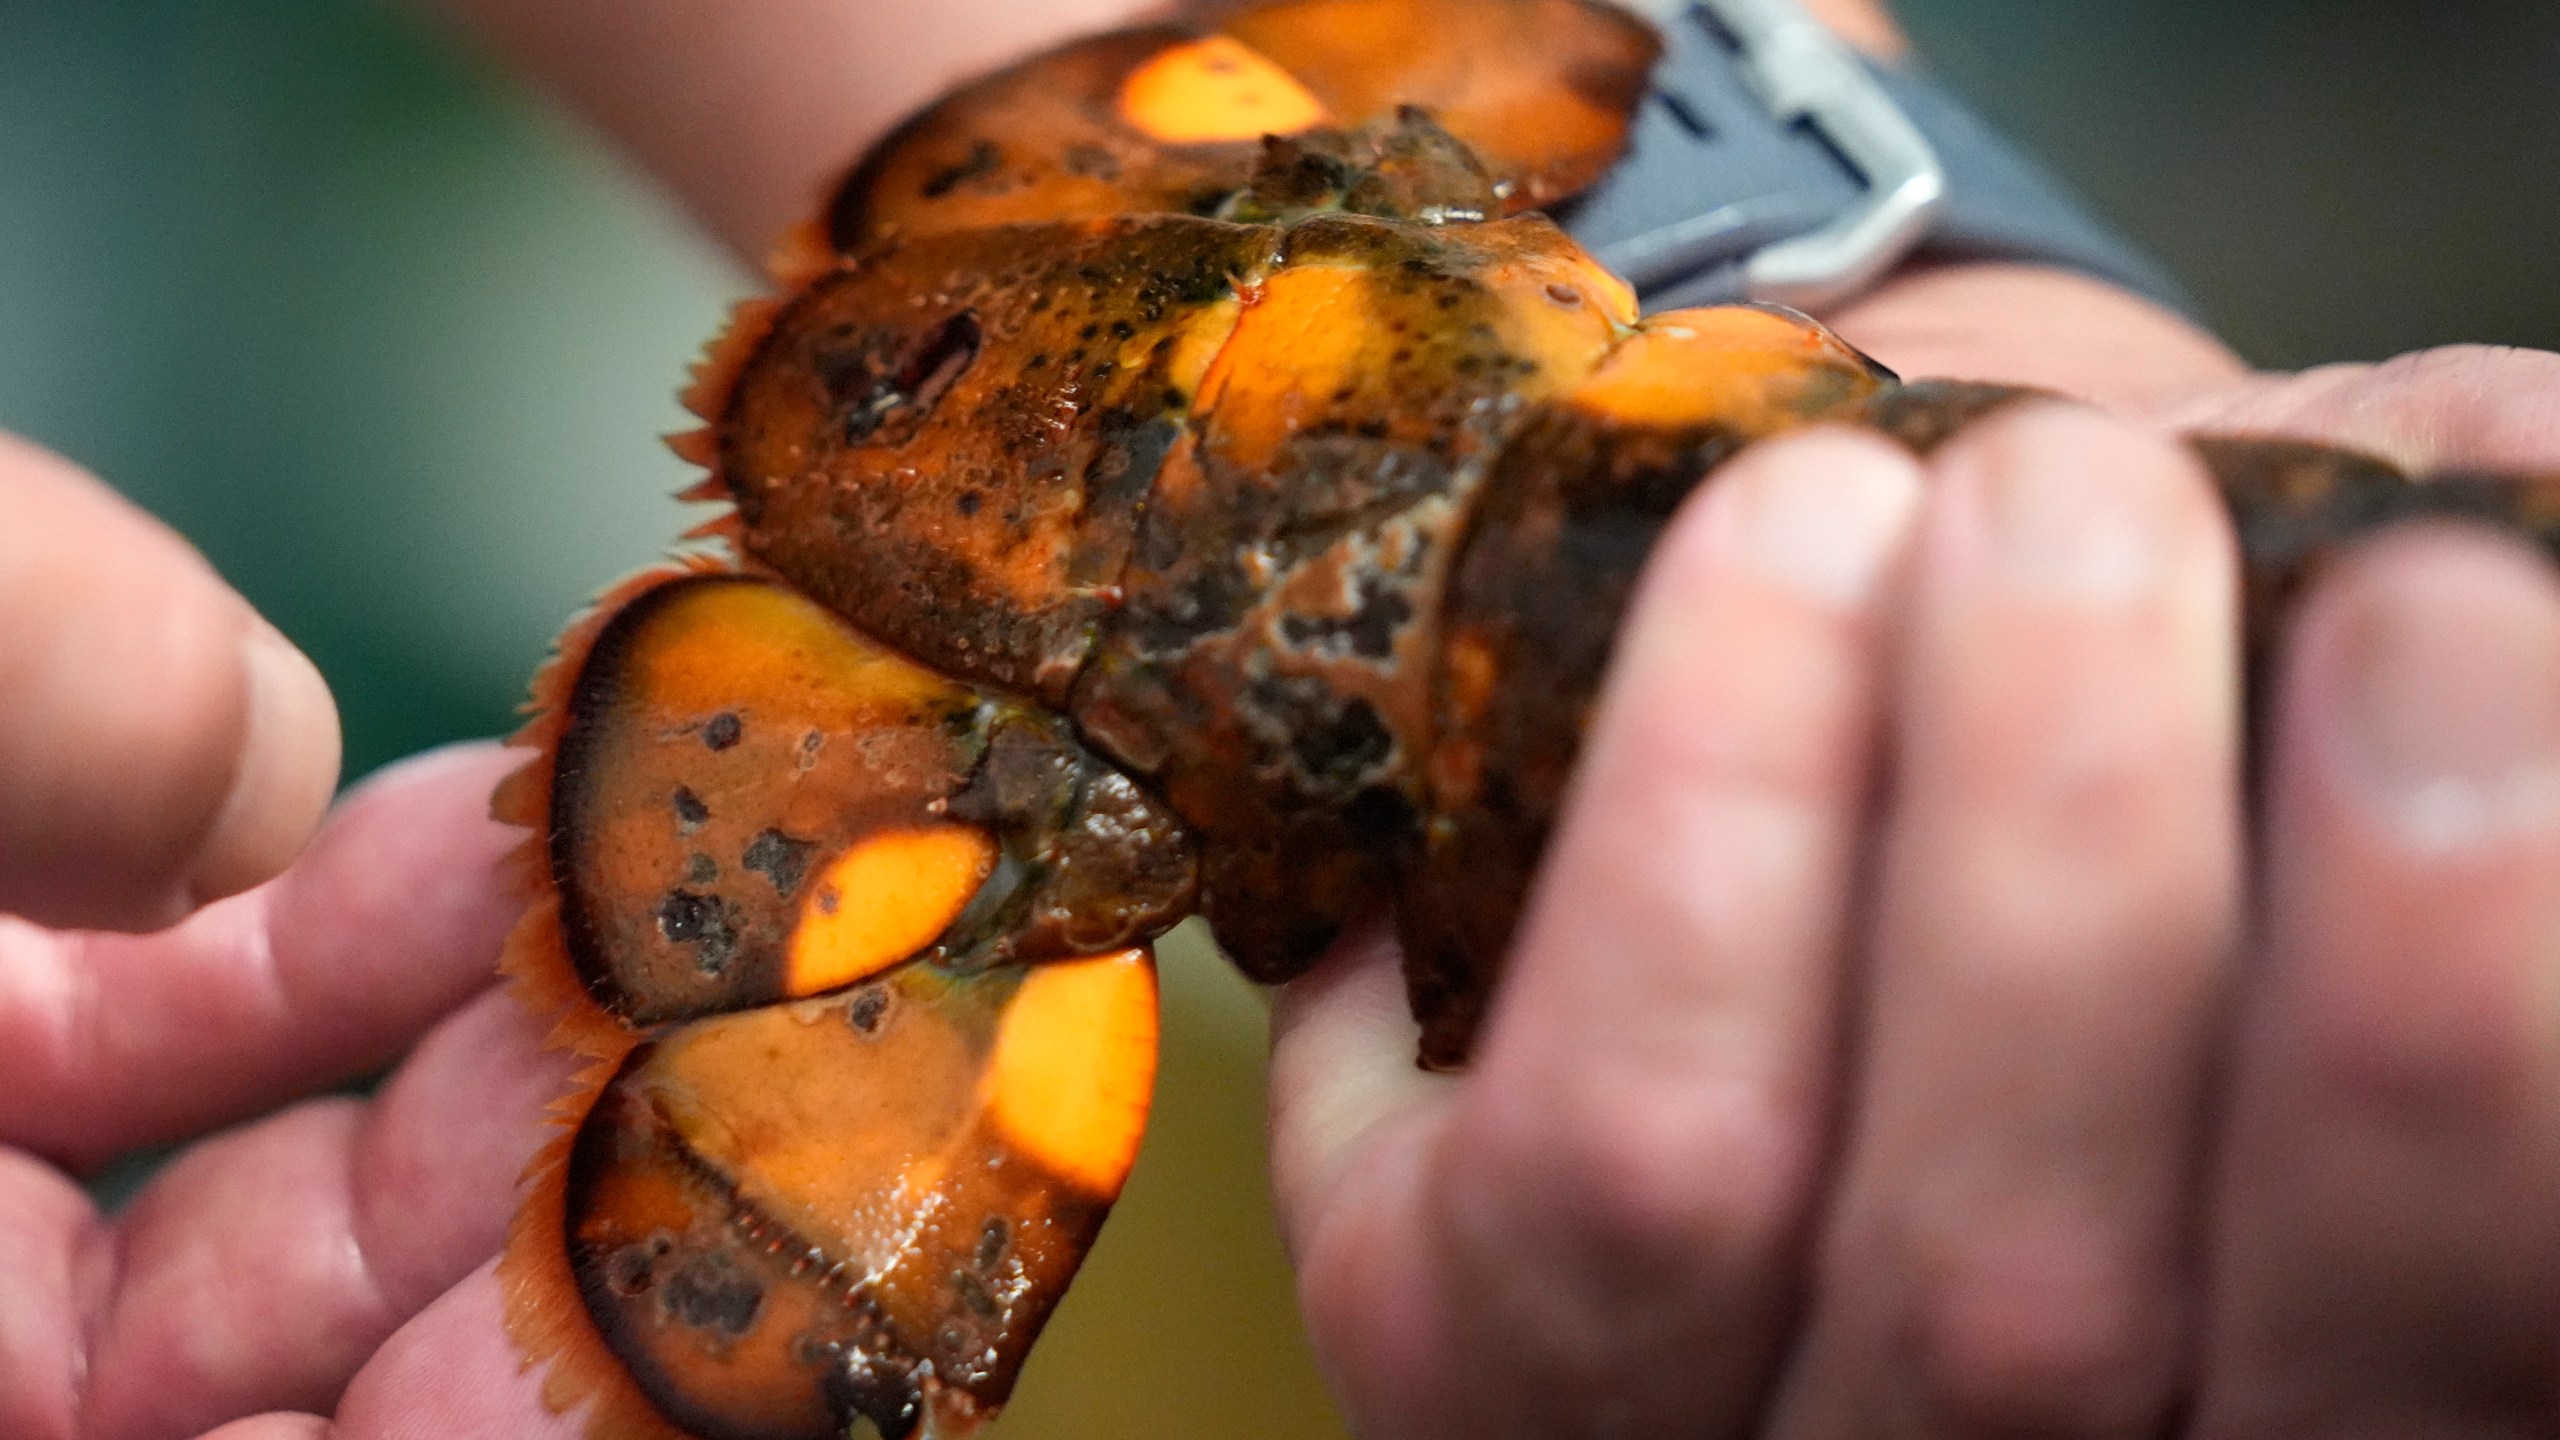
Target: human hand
164,748
333,1257
1902,1038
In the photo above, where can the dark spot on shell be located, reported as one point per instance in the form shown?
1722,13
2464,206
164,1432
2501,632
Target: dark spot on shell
920,381
1092,161
691,813
632,1269
968,503
869,1010
1369,631
780,859
992,1241
1344,747
828,900
876,1388
688,918
701,869
983,158
723,730
708,1292
973,1292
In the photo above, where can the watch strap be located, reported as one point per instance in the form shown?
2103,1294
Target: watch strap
1748,143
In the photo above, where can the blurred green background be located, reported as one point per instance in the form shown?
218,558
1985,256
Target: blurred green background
393,345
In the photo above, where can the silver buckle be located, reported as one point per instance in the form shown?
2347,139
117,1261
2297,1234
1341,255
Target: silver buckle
1803,73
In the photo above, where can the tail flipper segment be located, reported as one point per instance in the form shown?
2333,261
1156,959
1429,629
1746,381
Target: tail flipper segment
860,955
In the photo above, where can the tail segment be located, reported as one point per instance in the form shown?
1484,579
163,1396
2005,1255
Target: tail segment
858,955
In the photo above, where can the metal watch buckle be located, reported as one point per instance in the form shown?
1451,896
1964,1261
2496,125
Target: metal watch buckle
1805,75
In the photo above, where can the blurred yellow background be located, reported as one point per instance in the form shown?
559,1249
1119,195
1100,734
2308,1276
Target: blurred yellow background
393,345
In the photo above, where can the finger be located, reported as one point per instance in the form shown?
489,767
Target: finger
51,1252
2463,407
161,746
1352,1120
1603,1212
275,1425
751,111
449,1374
2057,898
1630,1171
2021,325
392,919
2387,1257
452,1372
265,1265
1342,1070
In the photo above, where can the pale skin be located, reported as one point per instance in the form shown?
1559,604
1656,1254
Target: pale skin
1894,1046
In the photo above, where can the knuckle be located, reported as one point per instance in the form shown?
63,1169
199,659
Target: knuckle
2102,855
2424,1057
2030,1343
1636,1190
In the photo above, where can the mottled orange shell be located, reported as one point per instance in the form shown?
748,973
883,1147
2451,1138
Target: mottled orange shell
1539,90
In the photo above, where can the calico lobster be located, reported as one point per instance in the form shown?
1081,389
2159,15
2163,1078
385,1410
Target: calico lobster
1186,471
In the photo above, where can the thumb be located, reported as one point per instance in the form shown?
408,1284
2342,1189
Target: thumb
161,745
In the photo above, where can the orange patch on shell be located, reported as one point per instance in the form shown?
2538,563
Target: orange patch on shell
1075,1064
1215,90
1756,370
884,900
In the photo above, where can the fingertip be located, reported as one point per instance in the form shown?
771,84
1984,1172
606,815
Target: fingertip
1342,1062
452,1370
2072,509
2081,438
287,772
1823,512
2425,680
1764,580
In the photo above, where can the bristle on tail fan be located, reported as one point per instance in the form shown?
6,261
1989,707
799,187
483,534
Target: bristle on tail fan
800,255
545,1314
715,376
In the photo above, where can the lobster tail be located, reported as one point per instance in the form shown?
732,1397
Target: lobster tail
1180,471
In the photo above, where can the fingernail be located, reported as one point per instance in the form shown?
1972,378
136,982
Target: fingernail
288,769
2065,520
1824,515
2452,704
